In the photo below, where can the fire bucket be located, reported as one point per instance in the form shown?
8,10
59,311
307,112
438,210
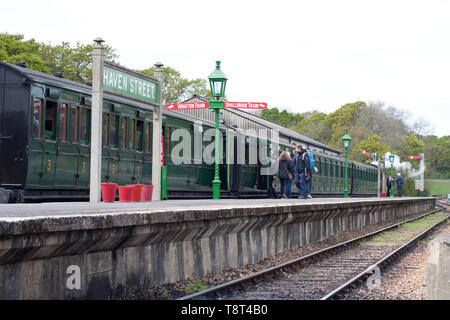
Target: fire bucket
108,191
147,191
125,193
136,194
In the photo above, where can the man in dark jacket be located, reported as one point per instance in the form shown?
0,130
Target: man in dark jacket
302,171
399,181
389,185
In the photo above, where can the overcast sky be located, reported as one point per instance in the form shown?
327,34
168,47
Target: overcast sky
299,55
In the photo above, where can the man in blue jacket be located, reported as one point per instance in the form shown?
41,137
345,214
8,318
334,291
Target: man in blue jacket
399,181
301,171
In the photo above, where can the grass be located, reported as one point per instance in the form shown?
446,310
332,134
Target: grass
195,287
438,187
405,232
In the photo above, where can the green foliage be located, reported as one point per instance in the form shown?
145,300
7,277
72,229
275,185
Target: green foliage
437,187
341,120
75,62
195,287
284,118
14,49
176,88
437,157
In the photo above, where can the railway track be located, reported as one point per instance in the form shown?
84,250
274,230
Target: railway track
321,275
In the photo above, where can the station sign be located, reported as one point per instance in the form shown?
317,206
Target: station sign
245,105
187,106
414,157
128,83
419,185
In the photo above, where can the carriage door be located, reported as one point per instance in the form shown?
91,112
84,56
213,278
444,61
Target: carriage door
49,145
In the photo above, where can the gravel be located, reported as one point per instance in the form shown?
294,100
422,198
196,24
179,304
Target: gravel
405,280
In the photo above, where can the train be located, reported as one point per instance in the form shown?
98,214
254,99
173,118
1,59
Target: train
45,147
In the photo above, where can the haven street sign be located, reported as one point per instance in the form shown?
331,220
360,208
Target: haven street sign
245,105
128,83
226,104
187,106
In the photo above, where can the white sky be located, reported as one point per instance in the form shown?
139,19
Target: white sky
300,55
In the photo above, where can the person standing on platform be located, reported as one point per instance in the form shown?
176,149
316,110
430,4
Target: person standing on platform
289,183
302,171
399,181
312,166
285,173
388,185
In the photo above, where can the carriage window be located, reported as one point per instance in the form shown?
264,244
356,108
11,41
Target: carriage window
84,129
113,130
62,122
105,129
74,124
147,137
123,133
139,133
131,133
50,120
37,116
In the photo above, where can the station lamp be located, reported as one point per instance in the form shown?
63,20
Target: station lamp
217,81
346,139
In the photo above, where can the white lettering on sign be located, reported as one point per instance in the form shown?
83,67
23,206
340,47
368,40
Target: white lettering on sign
246,105
121,82
187,106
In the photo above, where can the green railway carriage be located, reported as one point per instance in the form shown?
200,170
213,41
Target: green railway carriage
45,147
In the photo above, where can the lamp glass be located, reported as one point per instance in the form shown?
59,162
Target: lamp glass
217,87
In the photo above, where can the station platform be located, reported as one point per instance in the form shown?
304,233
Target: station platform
24,211
137,245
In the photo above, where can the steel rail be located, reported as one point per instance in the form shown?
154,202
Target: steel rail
263,274
383,261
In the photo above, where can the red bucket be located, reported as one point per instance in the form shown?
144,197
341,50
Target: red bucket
147,191
108,191
136,195
125,193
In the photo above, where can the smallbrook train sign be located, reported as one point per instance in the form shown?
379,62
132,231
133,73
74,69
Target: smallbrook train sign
187,106
245,105
129,83
226,104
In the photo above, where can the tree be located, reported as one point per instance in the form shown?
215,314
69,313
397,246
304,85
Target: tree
341,120
14,49
314,127
176,88
74,62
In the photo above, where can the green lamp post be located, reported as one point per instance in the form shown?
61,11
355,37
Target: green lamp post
391,160
346,139
217,80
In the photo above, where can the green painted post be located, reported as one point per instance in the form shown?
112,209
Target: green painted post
216,181
392,180
217,80
164,183
345,181
346,139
